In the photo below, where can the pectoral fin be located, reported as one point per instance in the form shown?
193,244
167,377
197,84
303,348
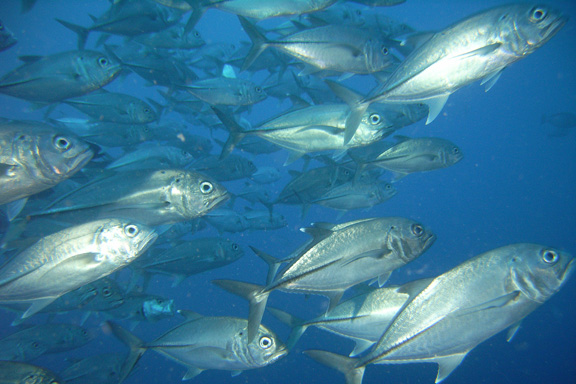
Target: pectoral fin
491,79
512,331
37,306
192,373
435,106
447,364
361,346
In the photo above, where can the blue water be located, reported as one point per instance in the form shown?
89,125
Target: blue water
515,184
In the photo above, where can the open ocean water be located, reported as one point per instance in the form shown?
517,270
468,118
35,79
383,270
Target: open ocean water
516,183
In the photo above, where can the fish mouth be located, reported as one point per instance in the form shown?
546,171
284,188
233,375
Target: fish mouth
553,28
278,355
147,241
219,200
429,241
568,271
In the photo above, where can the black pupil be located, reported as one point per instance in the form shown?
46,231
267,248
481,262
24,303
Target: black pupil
103,61
385,50
549,257
62,143
538,14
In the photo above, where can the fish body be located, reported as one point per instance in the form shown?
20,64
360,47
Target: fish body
35,157
226,91
153,197
71,258
97,369
264,9
60,76
203,343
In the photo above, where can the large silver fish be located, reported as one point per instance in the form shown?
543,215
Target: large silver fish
339,257
332,48
203,343
35,157
153,197
12,372
458,310
71,258
59,76
479,47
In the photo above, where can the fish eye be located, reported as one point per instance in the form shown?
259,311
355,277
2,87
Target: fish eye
537,14
106,292
417,230
549,256
235,247
265,342
196,34
258,90
61,143
103,61
131,230
375,119
389,186
84,332
206,187
146,110
35,345
385,51
455,150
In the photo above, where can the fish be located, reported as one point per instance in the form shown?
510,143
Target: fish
114,107
338,257
60,76
128,18
28,344
139,307
266,175
445,319
362,318
190,257
479,47
40,274
230,168
97,369
226,220
264,220
7,39
12,372
35,157
175,37
226,91
562,121
152,156
356,195
337,48
203,343
411,155
153,197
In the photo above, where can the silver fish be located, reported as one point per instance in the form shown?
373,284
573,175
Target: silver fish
137,308
175,37
356,195
42,273
12,372
339,257
447,318
97,369
203,343
59,76
35,157
154,197
479,47
226,91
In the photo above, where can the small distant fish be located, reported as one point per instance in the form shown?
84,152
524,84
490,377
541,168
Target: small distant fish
203,343
562,121
226,91
7,39
97,369
59,76
175,37
232,167
139,307
12,372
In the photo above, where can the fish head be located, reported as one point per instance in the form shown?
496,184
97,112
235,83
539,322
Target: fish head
373,126
538,271
408,239
62,155
193,39
265,349
142,113
76,336
121,241
253,93
28,349
194,194
231,251
385,191
525,28
108,295
156,308
97,69
379,56
450,154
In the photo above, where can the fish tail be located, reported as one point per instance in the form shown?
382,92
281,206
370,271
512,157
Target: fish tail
254,294
237,133
82,32
273,263
137,349
259,42
356,104
298,326
198,10
344,364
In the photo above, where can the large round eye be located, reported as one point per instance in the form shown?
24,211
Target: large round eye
258,90
131,230
385,50
537,14
103,61
549,256
265,342
235,247
388,187
375,119
197,34
417,230
206,187
455,150
62,143
106,292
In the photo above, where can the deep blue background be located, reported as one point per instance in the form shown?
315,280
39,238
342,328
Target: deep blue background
515,184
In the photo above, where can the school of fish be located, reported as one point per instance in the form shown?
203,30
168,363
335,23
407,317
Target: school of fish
125,189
